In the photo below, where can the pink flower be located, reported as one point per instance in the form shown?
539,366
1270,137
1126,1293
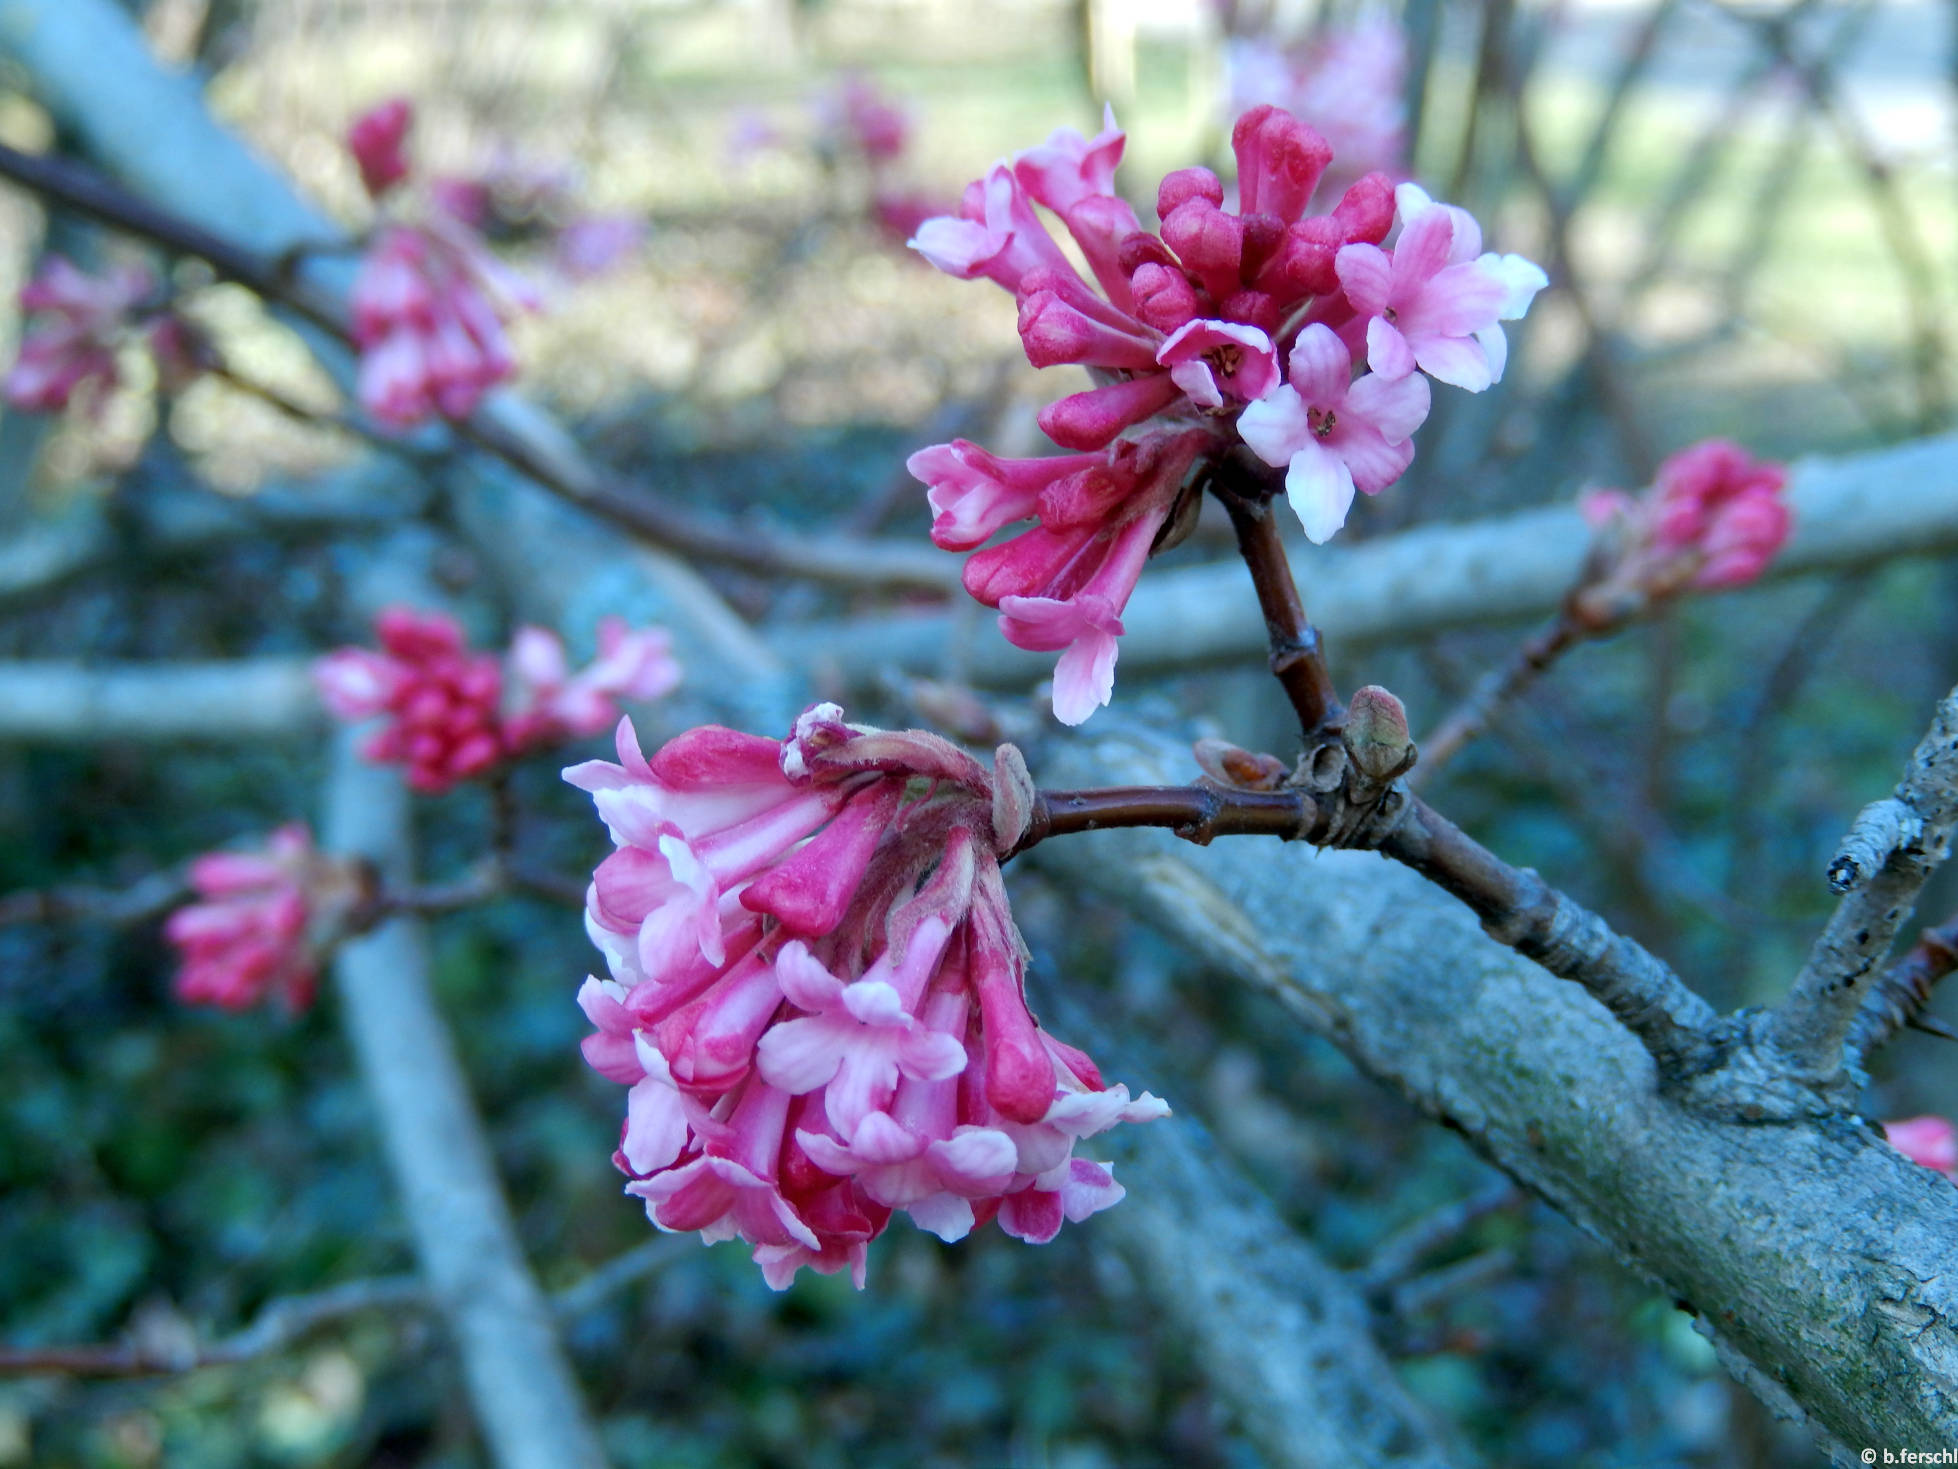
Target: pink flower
447,706
246,939
1212,359
1347,83
70,343
1435,301
554,704
378,141
1931,1142
1060,586
818,997
440,700
874,126
1182,343
1336,433
428,312
1714,518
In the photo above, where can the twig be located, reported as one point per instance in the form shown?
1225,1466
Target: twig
1898,998
844,560
145,899
1495,689
1516,906
1810,1026
290,1319
1401,1252
1247,490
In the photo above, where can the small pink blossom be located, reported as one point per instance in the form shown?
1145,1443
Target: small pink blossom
840,1029
1435,300
1930,1142
1337,434
246,937
1213,360
378,141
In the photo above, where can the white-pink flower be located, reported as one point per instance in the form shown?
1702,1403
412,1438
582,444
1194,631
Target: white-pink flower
1435,300
553,703
1215,360
1335,433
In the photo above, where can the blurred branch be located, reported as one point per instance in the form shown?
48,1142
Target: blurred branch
149,898
1402,1252
246,699
1495,689
524,1394
1890,851
288,1320
1851,511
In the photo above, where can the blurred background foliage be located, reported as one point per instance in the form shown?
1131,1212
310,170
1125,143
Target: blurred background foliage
1749,212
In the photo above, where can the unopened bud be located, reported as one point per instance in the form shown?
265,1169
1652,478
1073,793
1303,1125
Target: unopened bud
1376,734
1243,770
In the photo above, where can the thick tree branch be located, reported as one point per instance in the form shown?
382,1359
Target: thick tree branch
1854,511
1891,850
1821,1261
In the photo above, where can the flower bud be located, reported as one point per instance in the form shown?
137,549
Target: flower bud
1376,734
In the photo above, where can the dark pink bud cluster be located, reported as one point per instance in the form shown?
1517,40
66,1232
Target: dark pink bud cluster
864,120
430,302
1185,339
77,322
378,140
1714,518
817,997
1186,316
247,936
452,714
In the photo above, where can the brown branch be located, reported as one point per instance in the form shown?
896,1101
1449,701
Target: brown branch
1247,491
1516,906
844,560
1495,689
1899,997
1882,864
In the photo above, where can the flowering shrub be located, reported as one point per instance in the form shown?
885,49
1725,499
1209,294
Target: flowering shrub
1293,333
817,996
454,714
247,936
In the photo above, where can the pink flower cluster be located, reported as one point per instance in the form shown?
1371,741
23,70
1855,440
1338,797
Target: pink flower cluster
430,301
1184,341
1714,518
246,939
817,997
449,719
70,346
